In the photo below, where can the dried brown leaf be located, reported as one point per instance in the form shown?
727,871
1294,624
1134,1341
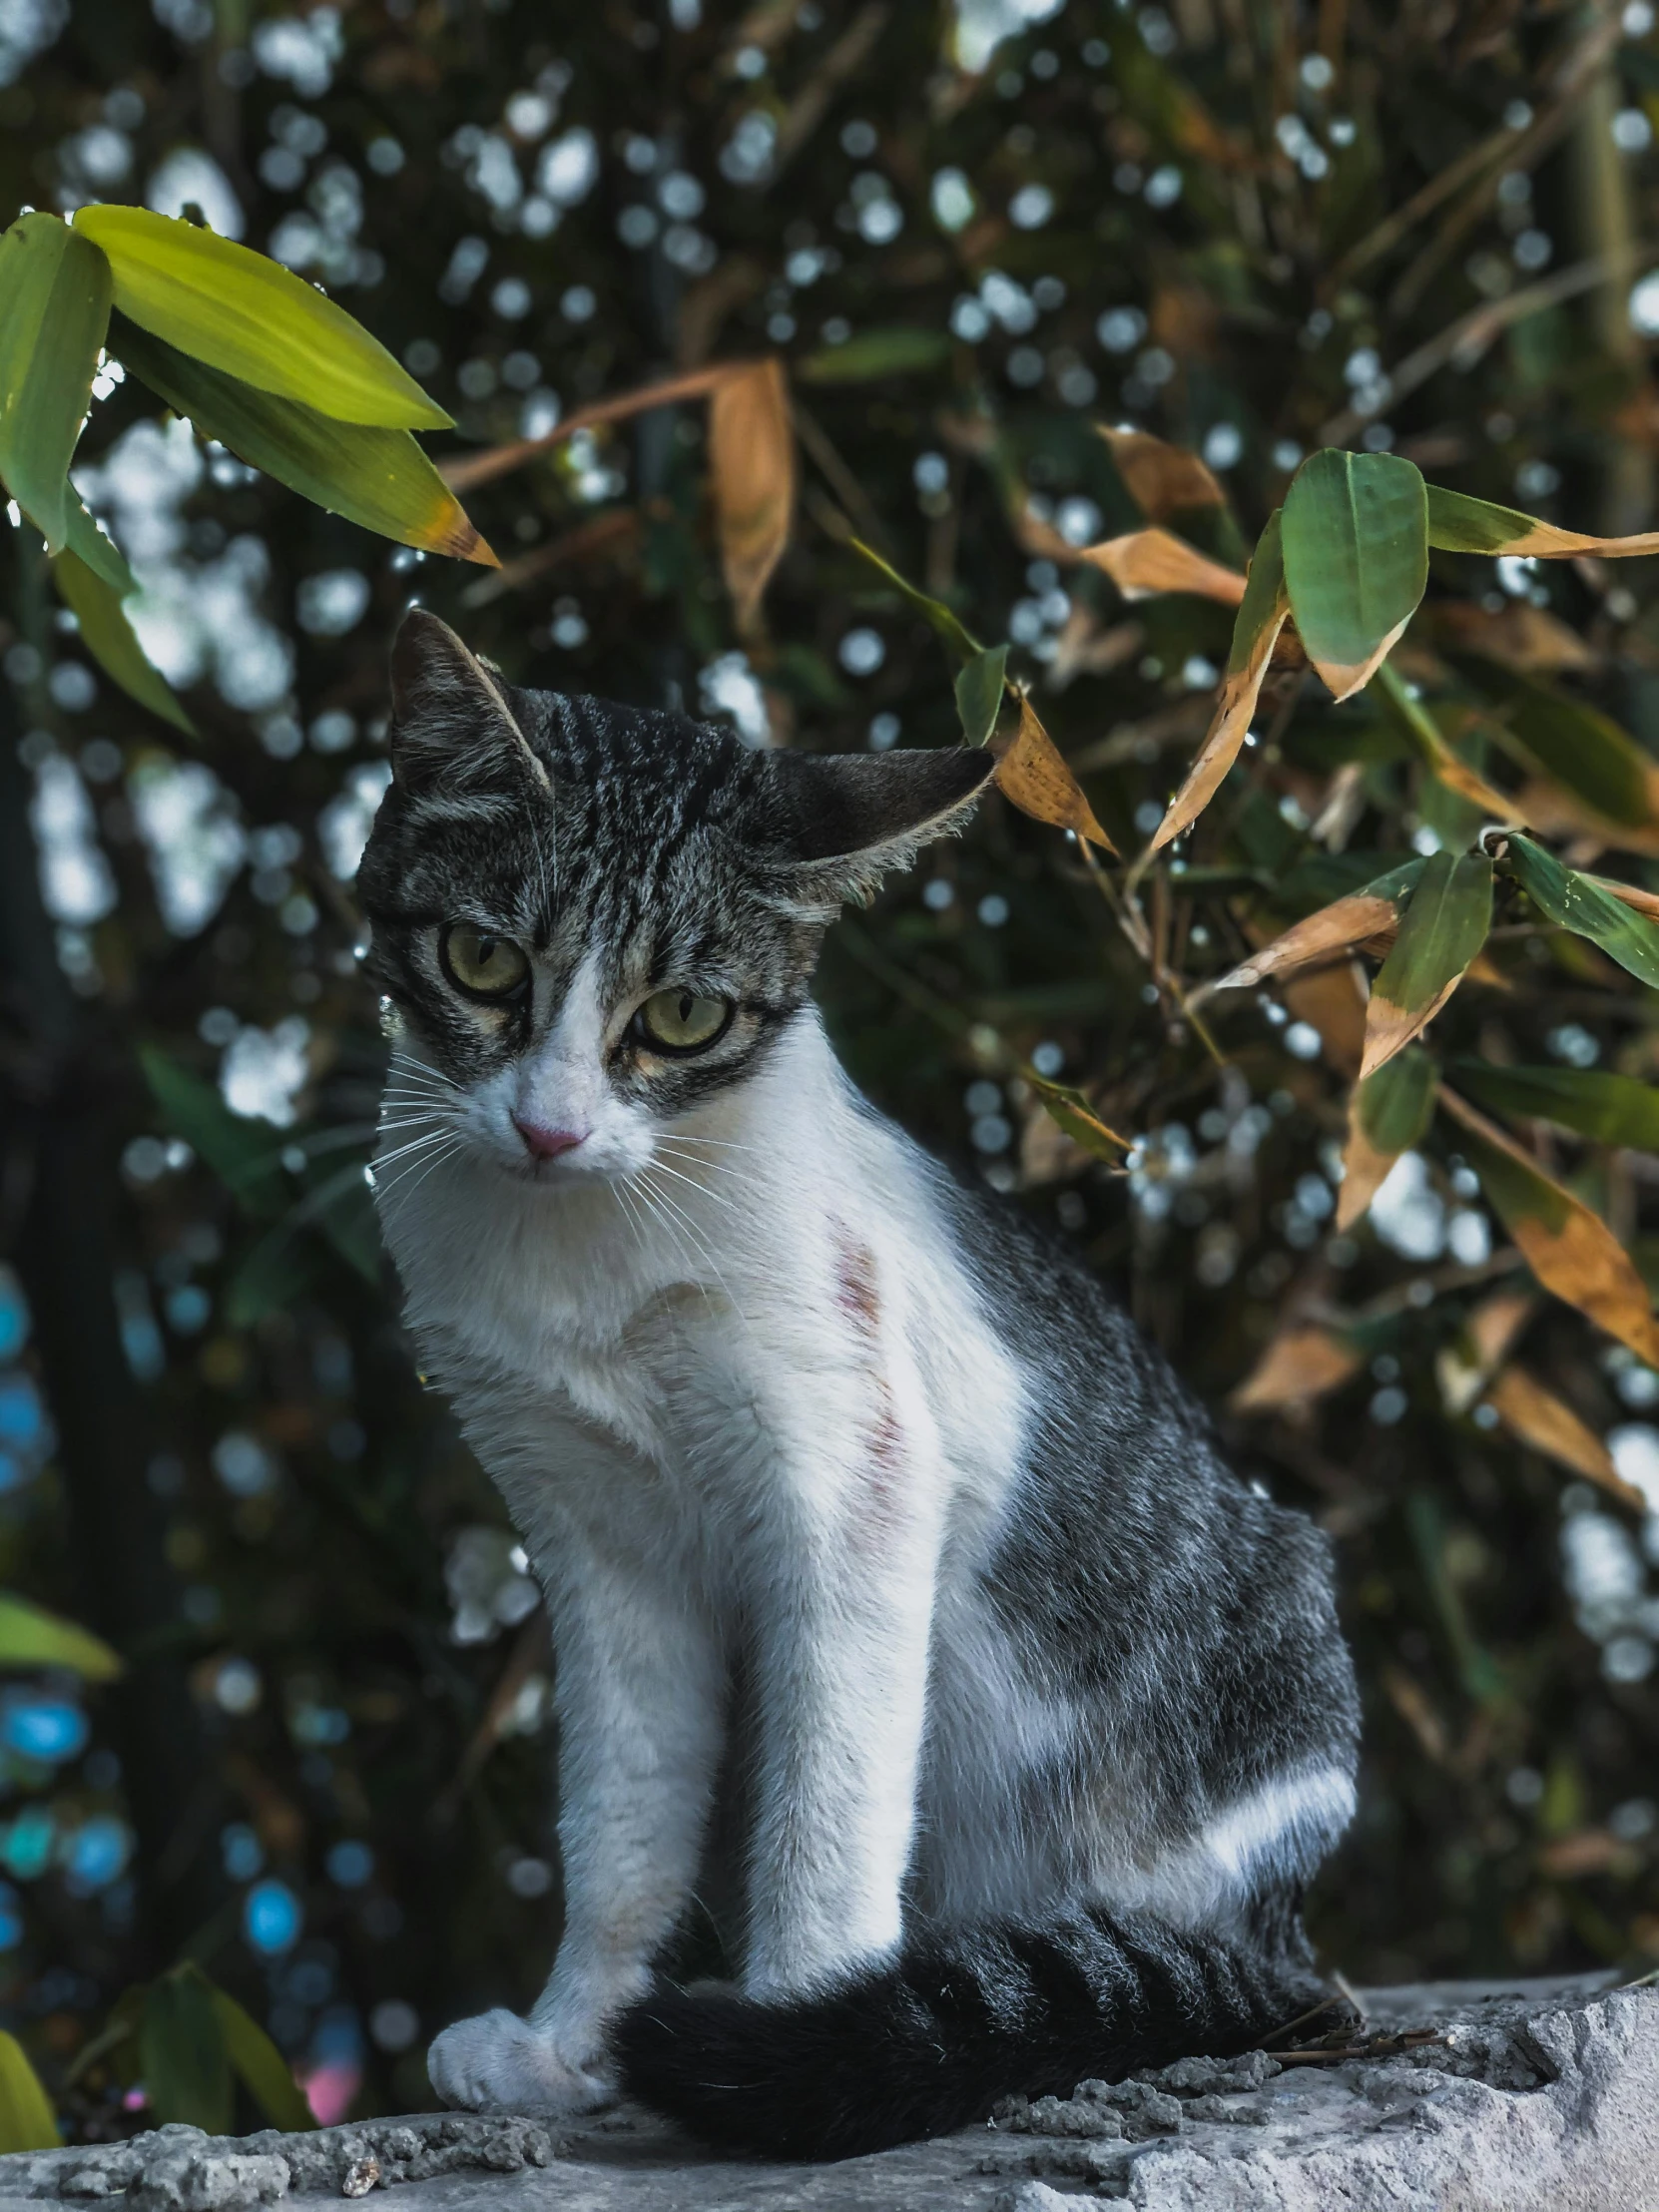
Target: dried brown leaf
1235,704
1489,1334
1362,918
1033,774
1570,1249
1302,1364
1159,478
1332,1001
1149,561
751,467
1519,635
1546,1422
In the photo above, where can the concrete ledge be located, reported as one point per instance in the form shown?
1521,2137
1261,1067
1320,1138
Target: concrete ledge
1455,2097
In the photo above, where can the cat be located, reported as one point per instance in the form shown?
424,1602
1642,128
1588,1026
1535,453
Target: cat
1052,1716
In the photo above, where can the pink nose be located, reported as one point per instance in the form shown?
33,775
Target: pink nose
547,1144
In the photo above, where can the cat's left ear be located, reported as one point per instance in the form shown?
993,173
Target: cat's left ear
451,721
844,820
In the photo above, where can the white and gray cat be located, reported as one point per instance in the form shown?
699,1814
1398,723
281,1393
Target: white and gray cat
1049,1715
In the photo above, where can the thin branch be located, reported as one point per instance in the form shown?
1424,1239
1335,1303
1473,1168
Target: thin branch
468,470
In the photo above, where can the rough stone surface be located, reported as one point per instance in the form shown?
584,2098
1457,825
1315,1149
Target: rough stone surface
1453,2097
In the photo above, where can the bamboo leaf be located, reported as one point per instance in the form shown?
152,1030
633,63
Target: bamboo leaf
1387,1115
225,305
1033,774
899,350
1070,1111
55,296
110,638
1441,930
27,2121
1150,561
1303,1363
1424,736
262,2066
241,1153
1574,901
1550,1424
94,550
1491,1332
1611,1109
960,641
376,477
1581,748
751,467
187,2067
1569,1249
32,1637
981,684
1356,559
1360,919
1261,617
1161,480
1460,524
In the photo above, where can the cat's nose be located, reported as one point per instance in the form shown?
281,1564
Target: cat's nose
547,1144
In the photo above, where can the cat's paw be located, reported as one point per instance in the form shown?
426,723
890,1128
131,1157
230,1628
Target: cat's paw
500,2064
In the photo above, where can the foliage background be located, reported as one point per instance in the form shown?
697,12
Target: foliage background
324,1774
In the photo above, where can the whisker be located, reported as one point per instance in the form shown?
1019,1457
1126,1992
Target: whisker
693,1159
715,1198
702,1247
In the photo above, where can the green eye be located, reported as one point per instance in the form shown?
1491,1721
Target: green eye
682,1020
480,963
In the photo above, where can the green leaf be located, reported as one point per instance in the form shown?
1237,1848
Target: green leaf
262,2068
1396,1104
1573,902
109,637
227,305
187,2066
101,554
55,289
1613,1109
980,687
895,351
378,478
1070,1110
241,1153
1442,928
1460,524
960,641
27,2121
1584,750
32,1637
1355,540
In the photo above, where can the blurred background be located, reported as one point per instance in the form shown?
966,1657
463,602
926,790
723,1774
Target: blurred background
1249,227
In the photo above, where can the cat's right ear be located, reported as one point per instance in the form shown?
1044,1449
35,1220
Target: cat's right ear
451,721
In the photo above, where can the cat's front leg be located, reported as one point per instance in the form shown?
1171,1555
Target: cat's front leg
843,1667
640,1702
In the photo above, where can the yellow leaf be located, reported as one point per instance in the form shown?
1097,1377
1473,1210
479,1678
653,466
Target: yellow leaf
1033,774
1303,1363
1546,1422
1159,478
1570,1249
27,2121
752,464
1517,634
1149,561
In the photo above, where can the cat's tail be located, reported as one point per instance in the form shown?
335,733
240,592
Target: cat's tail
930,2042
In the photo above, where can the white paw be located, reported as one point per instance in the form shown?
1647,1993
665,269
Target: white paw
500,2064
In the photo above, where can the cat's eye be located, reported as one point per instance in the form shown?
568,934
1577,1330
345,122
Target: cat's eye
482,963
682,1020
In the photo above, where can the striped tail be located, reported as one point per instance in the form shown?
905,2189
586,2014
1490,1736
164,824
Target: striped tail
933,2040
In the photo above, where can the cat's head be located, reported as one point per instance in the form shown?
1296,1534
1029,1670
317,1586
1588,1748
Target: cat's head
594,919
